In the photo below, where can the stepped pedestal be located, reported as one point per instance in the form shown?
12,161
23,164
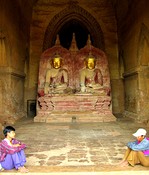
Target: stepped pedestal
74,108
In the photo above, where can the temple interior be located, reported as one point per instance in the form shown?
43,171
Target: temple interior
74,61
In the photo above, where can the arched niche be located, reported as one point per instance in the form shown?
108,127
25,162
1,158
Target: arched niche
80,31
3,50
73,102
143,58
74,13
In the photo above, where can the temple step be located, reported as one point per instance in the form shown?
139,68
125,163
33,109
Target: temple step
75,116
84,170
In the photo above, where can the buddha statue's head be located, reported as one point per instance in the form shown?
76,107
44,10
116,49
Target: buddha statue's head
90,62
56,62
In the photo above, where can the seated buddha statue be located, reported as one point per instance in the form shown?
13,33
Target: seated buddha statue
91,77
56,77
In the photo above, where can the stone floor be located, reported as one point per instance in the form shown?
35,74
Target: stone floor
76,147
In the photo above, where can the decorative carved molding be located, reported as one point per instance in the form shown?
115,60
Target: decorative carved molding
73,12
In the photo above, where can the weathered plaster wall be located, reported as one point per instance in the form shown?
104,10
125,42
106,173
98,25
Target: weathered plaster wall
133,25
43,13
14,37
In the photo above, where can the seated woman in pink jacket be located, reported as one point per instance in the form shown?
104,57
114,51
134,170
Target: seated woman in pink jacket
12,152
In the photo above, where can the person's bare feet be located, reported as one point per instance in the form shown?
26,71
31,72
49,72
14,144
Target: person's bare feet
2,169
23,169
123,163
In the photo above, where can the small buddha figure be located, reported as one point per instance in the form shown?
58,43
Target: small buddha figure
56,77
91,77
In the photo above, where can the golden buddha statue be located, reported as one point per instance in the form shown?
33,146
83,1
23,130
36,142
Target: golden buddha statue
56,77
90,77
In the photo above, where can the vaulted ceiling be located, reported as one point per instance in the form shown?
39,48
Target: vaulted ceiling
121,7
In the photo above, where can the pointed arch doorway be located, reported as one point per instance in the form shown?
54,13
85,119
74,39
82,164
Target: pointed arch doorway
72,102
73,19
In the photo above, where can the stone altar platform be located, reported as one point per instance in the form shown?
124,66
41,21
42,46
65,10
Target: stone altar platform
74,85
57,108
